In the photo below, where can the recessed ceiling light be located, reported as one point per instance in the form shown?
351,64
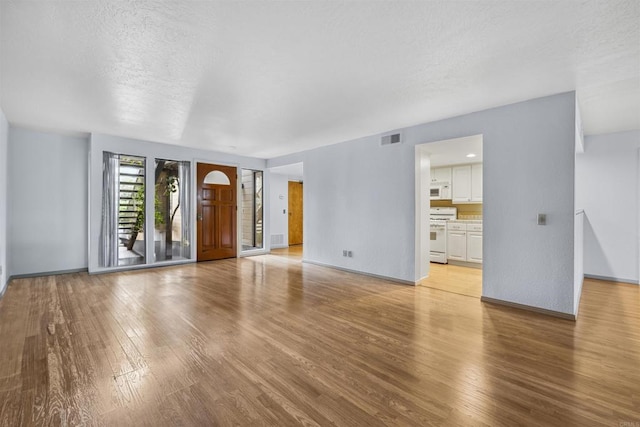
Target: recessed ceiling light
471,155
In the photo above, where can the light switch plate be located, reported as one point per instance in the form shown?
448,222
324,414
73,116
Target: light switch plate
542,219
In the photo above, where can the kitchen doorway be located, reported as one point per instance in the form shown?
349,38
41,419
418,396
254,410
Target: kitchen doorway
449,215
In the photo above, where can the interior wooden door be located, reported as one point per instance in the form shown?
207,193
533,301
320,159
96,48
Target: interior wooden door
217,212
295,213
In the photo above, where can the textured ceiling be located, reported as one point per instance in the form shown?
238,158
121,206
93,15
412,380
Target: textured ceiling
270,78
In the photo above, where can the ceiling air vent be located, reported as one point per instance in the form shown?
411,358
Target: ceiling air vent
390,139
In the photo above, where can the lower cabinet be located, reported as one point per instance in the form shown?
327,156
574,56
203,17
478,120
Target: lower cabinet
457,245
474,246
464,242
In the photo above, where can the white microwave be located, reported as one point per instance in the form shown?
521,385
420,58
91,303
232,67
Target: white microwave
440,191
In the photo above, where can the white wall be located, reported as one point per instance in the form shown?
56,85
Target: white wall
607,177
279,209
47,199
4,142
100,143
361,196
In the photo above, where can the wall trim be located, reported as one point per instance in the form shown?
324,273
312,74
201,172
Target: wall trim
48,273
279,246
377,276
611,279
419,281
465,264
119,269
252,252
539,310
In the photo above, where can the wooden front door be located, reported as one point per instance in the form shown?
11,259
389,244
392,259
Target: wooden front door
295,213
217,212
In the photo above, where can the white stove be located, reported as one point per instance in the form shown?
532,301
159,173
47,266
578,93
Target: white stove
438,218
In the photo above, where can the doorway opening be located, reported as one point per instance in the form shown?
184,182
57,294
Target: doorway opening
449,215
287,207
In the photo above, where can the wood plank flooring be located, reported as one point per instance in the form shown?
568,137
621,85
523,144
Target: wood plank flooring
455,278
270,341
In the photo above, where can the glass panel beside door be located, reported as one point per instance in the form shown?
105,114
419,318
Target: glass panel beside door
172,204
125,234
252,212
122,238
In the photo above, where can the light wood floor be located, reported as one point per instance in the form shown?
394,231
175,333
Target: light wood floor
270,341
454,278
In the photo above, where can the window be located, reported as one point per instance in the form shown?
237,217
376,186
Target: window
252,218
123,223
172,207
126,237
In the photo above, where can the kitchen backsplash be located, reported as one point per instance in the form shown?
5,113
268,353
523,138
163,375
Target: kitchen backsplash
465,210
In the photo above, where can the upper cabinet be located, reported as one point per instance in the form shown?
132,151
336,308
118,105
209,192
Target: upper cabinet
441,175
476,183
461,184
467,183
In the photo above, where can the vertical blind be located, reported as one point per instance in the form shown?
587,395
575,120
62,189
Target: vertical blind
109,229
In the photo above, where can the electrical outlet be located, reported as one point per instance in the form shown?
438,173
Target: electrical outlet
344,252
349,254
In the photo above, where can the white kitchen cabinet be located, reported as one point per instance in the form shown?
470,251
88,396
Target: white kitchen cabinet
457,245
441,175
474,246
466,183
461,184
464,241
476,183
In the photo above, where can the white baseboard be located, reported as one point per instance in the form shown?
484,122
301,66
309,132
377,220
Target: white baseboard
377,276
545,311
611,279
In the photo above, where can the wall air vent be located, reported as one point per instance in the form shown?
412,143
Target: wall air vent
277,239
390,139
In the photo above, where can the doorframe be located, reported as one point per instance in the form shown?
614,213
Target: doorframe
290,175
423,204
194,195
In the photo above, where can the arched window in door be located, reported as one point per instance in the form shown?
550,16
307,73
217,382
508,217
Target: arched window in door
217,178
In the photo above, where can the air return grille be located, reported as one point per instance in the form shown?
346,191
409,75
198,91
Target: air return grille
394,138
277,239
